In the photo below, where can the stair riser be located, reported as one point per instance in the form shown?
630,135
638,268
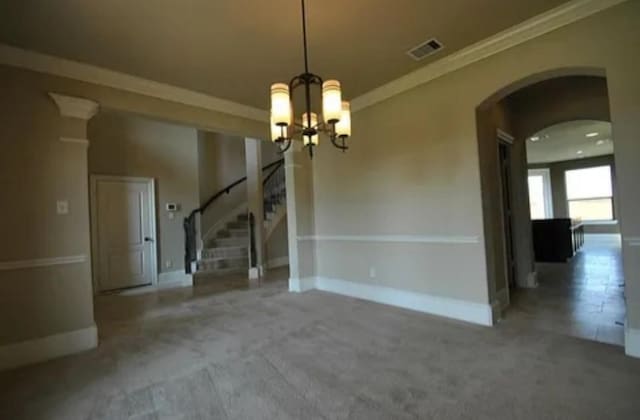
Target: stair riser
224,253
222,264
225,242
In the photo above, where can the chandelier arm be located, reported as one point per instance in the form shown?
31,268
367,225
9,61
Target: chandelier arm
342,146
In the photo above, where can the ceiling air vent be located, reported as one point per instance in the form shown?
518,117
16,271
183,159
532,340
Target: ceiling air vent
425,49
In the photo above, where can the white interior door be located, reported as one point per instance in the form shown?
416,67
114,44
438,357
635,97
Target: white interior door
123,222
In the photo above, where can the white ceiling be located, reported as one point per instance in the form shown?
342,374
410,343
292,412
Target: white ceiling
569,141
234,49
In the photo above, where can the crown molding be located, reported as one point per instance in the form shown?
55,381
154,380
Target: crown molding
73,107
551,20
43,63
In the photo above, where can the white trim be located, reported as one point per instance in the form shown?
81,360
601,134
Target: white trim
46,348
477,313
175,278
301,285
427,239
504,136
632,240
631,341
278,262
73,107
545,173
254,273
95,249
532,280
551,20
44,63
82,142
42,262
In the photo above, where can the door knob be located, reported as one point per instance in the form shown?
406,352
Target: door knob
148,239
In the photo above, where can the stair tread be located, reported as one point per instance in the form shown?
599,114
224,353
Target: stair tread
226,248
236,257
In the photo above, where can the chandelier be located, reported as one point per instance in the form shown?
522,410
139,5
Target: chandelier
335,120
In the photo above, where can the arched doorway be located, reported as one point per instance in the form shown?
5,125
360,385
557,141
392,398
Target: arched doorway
505,121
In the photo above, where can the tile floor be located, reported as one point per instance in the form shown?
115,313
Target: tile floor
583,297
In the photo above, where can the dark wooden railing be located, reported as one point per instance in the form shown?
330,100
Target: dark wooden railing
189,223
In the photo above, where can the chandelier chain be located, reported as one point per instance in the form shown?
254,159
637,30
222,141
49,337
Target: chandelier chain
304,37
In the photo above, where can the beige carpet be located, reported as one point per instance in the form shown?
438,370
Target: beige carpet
268,354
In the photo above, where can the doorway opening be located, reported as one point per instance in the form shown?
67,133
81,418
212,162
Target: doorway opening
550,207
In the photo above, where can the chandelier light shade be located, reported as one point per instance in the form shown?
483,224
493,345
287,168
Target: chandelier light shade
343,127
280,104
335,120
331,101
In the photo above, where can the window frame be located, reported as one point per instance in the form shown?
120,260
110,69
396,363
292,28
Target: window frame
610,198
546,189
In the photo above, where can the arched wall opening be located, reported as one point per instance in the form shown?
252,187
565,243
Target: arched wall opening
509,117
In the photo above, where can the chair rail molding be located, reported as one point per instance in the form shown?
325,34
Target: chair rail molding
73,107
42,262
551,20
72,140
632,240
426,239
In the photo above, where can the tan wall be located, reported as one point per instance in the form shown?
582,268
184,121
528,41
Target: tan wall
558,100
221,161
413,167
128,145
36,170
277,245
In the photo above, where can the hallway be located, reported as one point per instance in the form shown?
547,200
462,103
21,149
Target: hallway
582,298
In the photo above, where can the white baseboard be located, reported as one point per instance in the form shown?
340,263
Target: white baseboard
473,312
301,285
254,273
176,278
632,341
278,262
46,348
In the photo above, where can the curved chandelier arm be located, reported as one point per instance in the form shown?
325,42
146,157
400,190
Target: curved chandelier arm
342,145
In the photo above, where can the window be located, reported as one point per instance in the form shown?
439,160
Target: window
590,193
540,194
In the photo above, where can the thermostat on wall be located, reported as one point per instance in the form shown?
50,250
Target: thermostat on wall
173,206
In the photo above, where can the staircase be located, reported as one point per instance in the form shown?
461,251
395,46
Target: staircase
228,249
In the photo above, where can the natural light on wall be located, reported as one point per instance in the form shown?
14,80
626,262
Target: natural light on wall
540,194
590,193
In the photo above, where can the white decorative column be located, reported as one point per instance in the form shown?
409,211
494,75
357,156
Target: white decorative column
253,157
300,222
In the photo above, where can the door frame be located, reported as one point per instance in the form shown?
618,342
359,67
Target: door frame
506,140
95,247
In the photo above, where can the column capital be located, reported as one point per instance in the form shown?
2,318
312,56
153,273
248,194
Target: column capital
74,107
